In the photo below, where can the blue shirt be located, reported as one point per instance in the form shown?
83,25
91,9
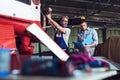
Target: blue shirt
62,39
88,32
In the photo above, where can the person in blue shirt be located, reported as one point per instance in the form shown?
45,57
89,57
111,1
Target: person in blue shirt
62,33
84,35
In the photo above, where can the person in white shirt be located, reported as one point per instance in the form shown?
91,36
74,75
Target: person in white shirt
62,32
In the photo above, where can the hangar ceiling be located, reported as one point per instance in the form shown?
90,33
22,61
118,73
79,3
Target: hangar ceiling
96,11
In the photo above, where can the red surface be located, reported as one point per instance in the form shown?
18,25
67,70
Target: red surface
36,2
12,28
7,36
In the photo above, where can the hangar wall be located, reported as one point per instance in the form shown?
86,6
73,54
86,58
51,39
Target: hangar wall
75,30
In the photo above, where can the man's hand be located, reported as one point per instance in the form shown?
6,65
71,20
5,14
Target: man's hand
50,10
48,15
46,10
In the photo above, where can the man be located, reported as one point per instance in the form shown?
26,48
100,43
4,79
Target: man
87,33
62,32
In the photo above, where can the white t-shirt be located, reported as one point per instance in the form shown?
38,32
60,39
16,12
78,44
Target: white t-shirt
66,35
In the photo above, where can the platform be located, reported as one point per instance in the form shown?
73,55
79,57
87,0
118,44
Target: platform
77,75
